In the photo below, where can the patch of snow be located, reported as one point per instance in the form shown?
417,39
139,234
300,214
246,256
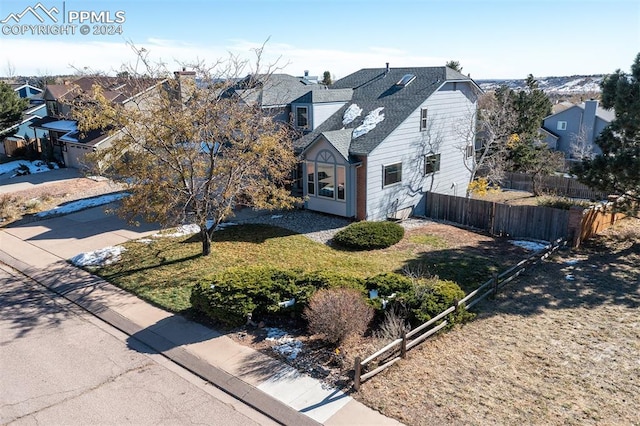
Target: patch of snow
75,206
530,245
180,231
274,333
287,303
102,257
143,241
13,167
190,229
276,216
569,277
571,261
223,225
370,122
285,345
351,114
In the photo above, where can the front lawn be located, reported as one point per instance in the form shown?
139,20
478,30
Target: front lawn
163,270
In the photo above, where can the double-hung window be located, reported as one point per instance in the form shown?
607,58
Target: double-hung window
431,163
423,119
302,117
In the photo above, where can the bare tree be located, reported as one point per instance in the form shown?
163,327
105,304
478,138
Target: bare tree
580,146
485,138
11,70
187,150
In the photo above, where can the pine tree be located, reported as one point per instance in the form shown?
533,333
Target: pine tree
326,78
617,169
11,107
532,105
454,65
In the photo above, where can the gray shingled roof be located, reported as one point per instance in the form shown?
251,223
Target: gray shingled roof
374,88
340,139
321,94
276,89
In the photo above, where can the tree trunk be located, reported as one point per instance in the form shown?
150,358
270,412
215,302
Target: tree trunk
535,185
206,241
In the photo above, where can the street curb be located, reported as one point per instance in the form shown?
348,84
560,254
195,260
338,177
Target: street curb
226,382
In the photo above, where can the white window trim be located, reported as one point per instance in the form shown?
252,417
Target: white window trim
470,150
562,125
316,191
436,154
384,167
306,108
424,116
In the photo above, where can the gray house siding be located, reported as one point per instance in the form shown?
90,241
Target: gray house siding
573,119
580,123
322,111
317,112
317,154
448,112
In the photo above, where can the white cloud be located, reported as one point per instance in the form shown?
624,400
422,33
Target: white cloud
63,56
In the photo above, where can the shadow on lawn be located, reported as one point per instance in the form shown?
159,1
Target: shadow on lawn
468,266
586,278
603,271
125,271
592,276
246,233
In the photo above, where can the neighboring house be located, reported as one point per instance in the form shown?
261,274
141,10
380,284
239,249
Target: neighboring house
67,144
393,135
21,133
574,130
25,90
274,92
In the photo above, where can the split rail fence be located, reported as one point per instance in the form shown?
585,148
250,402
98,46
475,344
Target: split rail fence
387,356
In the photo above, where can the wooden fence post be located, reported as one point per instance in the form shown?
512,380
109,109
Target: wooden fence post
356,374
403,345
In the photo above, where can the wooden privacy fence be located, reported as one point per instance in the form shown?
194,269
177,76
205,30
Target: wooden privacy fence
397,349
556,185
535,222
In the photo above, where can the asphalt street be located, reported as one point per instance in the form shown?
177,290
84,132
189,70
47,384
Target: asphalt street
61,365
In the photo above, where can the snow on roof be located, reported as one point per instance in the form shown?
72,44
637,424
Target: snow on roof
351,114
75,206
370,122
102,257
61,125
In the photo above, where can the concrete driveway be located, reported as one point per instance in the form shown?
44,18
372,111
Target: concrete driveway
66,236
20,183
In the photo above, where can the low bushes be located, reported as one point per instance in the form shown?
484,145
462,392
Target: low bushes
369,235
230,296
417,300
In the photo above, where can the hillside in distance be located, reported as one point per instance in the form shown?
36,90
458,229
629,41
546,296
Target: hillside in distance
551,85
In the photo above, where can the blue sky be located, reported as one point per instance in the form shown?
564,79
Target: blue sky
491,39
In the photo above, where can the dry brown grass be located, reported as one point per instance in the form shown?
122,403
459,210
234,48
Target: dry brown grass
19,205
548,350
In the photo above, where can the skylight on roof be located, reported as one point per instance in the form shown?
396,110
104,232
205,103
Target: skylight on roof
406,79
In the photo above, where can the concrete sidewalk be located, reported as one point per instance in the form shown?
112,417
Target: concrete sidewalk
40,249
